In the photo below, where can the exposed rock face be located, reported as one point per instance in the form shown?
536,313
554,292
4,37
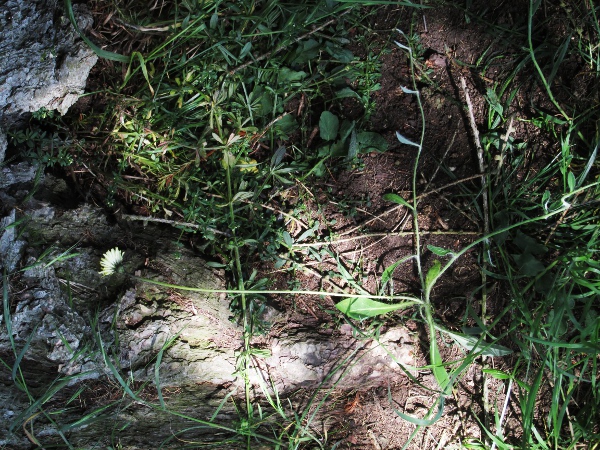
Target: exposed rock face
43,64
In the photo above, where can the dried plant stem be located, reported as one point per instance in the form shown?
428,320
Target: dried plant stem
486,232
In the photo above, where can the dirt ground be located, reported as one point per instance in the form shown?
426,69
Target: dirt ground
371,233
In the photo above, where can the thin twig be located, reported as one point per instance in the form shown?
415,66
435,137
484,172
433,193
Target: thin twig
386,235
287,44
486,232
131,217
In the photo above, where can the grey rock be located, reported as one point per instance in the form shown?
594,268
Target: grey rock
43,62
17,174
11,248
3,145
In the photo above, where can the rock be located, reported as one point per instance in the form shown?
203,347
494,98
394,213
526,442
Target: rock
43,62
3,145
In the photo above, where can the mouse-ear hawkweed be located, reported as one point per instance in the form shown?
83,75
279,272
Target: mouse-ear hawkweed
112,262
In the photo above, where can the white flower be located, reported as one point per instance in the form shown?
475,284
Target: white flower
111,261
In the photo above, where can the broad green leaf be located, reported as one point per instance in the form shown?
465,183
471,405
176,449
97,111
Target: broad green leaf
246,49
289,75
285,126
346,93
346,128
328,126
341,54
287,239
395,198
528,244
439,250
228,160
432,274
214,20
571,181
352,147
363,308
278,156
369,141
406,141
529,265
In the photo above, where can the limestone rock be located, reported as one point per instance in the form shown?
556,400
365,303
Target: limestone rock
43,63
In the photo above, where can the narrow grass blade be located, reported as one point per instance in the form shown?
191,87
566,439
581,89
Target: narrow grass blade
97,50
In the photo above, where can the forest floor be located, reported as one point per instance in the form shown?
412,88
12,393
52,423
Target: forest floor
343,232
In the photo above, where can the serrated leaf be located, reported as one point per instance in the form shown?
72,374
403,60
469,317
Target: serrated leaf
439,250
406,141
395,198
328,126
363,308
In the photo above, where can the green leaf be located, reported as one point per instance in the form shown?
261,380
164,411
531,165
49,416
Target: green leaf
97,50
438,369
287,239
341,54
387,274
285,126
352,147
529,265
228,160
369,142
328,125
346,93
472,343
288,75
497,374
571,181
363,308
395,198
432,274
439,250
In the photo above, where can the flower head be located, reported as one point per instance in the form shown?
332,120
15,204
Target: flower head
111,262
